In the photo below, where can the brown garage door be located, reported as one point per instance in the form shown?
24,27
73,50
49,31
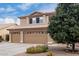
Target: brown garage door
38,37
15,37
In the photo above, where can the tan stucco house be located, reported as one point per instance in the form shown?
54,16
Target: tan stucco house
4,31
32,29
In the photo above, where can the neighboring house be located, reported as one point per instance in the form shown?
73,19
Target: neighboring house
4,31
32,29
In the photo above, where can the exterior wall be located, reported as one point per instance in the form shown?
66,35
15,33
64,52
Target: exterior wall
24,21
46,19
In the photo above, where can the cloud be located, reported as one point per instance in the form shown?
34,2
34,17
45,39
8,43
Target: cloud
2,9
18,21
47,8
1,20
9,20
7,9
25,6
15,11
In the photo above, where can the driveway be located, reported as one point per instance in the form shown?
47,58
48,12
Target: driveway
9,49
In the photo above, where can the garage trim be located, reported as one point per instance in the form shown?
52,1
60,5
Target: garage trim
21,36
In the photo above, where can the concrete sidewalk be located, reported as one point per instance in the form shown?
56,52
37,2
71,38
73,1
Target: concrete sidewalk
9,49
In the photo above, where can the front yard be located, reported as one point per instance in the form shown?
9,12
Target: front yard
57,50
19,49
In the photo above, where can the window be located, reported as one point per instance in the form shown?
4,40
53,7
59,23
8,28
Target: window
37,20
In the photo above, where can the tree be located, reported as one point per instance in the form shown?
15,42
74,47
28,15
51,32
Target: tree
64,26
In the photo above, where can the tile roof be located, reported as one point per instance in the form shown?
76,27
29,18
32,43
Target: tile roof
29,26
37,14
3,26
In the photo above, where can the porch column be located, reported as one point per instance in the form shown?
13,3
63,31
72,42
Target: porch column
21,36
49,40
9,37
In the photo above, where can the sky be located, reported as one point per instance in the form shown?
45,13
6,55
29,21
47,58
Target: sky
9,12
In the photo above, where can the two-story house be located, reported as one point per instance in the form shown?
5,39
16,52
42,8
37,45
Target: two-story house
32,29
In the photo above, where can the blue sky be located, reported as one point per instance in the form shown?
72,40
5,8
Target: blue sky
9,12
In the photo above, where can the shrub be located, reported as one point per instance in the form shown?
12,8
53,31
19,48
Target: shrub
37,49
50,53
43,48
31,49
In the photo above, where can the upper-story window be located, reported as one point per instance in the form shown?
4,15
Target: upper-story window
36,20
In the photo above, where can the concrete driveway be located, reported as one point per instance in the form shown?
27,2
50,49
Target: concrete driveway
9,49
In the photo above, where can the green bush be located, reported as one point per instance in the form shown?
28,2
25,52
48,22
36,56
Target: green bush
43,48
37,49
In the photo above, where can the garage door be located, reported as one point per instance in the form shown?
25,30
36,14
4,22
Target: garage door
15,37
39,37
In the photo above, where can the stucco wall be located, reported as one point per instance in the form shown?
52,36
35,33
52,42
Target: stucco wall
25,21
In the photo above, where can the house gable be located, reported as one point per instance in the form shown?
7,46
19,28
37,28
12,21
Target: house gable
36,14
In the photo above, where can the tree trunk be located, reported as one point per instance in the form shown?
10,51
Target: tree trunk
73,47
